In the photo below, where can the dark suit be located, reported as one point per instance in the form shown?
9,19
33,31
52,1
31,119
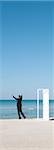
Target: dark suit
19,106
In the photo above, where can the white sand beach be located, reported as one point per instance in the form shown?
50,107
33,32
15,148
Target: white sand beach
28,134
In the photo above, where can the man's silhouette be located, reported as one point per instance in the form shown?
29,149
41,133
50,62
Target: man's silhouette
19,106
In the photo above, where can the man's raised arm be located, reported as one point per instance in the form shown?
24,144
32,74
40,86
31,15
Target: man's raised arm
15,98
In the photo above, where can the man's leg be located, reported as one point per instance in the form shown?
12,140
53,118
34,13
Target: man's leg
23,114
19,114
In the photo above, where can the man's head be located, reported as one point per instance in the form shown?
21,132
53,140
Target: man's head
20,96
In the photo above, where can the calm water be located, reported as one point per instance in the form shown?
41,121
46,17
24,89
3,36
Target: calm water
8,109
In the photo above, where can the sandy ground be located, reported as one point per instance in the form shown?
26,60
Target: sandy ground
28,134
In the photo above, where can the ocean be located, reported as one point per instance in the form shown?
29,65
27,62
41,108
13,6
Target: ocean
8,109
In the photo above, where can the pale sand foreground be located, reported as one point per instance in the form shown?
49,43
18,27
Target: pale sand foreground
26,134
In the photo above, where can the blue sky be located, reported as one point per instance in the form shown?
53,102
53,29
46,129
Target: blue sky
26,53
